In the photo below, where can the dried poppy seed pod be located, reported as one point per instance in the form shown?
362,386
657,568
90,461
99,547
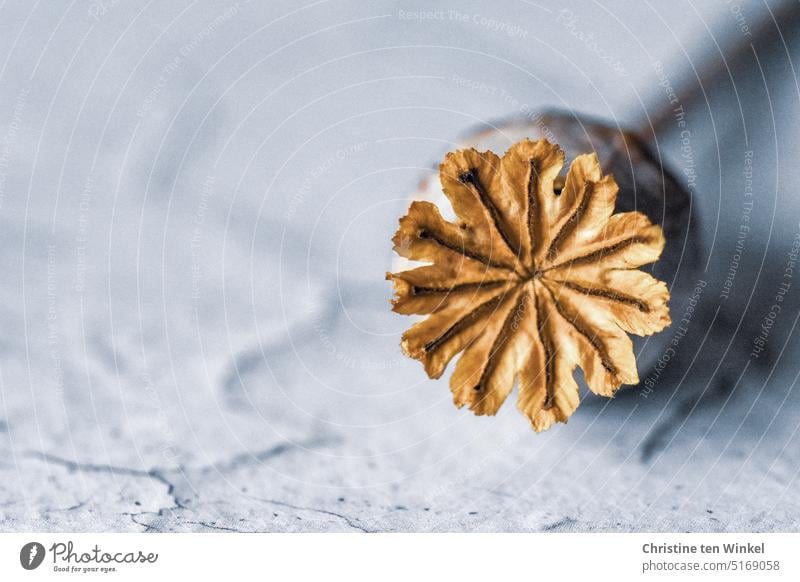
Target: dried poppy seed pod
644,185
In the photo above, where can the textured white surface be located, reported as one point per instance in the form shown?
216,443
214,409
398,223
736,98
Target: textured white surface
196,204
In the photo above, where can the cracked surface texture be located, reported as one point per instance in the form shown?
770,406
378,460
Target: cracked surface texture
195,334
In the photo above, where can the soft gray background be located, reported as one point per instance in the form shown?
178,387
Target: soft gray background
196,201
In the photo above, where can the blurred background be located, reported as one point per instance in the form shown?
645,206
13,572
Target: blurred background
196,205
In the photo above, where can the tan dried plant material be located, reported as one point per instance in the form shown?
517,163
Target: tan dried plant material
528,283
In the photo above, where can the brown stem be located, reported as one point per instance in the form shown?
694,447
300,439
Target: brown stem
697,79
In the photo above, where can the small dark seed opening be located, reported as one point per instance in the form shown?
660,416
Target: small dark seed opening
467,177
558,185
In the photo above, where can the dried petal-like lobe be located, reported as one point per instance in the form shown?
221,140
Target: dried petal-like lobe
627,241
528,285
529,169
430,288
471,181
636,300
583,207
605,352
425,236
548,392
446,332
485,373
